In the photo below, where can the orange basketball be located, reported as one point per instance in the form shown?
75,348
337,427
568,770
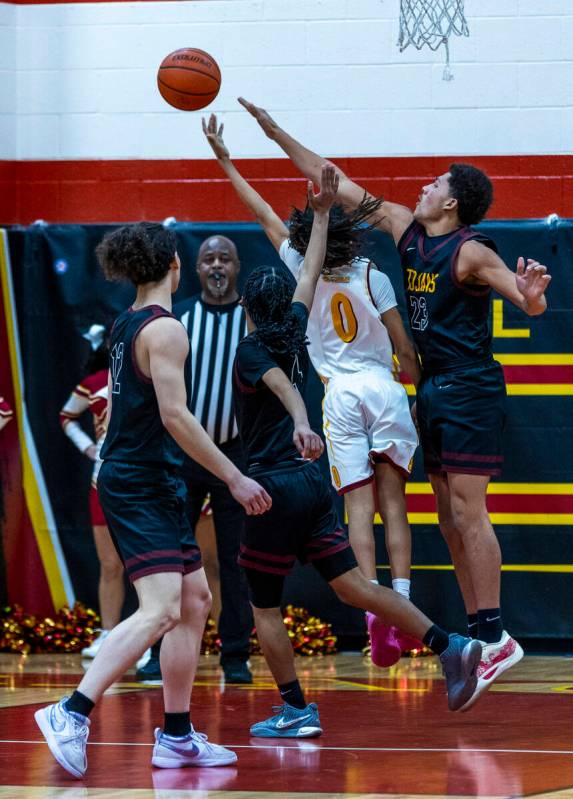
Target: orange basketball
189,79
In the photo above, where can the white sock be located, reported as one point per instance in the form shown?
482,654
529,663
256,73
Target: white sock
401,586
374,581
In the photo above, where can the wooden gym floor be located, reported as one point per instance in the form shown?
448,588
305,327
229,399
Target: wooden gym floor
387,733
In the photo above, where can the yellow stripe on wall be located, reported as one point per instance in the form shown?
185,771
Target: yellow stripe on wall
504,488
540,568
499,518
523,389
52,557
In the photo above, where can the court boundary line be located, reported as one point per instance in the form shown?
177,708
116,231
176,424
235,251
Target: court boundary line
310,744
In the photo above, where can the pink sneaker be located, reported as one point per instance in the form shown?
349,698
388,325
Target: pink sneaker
408,642
385,649
495,659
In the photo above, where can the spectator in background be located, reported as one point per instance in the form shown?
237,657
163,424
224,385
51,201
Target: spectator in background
91,394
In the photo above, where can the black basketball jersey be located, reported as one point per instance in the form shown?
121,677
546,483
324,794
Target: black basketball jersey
136,433
449,319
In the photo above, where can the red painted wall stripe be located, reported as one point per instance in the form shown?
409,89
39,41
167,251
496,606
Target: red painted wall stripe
123,191
502,503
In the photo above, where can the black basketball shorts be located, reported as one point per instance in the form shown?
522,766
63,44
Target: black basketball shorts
145,511
301,524
461,416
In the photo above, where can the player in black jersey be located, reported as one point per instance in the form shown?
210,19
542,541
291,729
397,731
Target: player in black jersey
149,428
449,272
270,372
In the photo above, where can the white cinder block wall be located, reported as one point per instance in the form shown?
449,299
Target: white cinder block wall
78,80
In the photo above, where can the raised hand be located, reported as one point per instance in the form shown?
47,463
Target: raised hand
264,119
322,202
532,281
214,136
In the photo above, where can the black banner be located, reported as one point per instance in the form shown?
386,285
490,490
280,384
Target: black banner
60,292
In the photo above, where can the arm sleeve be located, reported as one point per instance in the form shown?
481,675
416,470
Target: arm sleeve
382,291
77,404
252,363
291,258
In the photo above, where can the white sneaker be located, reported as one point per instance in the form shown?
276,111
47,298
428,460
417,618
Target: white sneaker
92,650
191,750
66,734
495,659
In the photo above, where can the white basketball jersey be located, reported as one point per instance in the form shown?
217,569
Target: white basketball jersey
344,328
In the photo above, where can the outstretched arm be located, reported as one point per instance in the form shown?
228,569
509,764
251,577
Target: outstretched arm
525,287
390,218
307,442
273,226
314,256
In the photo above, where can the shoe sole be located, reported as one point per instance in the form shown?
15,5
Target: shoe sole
471,657
484,685
46,730
303,732
166,762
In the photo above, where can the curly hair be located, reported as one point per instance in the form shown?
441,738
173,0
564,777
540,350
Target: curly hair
346,230
267,298
473,190
140,253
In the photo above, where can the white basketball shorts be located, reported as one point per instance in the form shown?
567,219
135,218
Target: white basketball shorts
366,419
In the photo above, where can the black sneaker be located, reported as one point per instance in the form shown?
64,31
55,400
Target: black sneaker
150,672
238,672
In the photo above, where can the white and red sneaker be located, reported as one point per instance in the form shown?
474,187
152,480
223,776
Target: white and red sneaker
496,658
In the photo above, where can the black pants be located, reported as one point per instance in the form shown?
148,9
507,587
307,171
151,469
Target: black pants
236,621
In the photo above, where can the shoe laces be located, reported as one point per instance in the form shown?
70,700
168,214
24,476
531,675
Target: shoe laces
205,742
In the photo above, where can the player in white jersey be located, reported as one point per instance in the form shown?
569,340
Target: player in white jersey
354,328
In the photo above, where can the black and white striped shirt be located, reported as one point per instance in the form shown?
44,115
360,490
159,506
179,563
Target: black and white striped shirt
214,333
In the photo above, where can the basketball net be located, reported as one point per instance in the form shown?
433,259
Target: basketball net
431,23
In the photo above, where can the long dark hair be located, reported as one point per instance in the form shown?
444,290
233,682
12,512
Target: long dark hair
346,230
267,298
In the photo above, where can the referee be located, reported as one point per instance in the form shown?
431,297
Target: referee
215,323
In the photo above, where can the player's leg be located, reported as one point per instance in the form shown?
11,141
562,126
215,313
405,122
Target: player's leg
65,725
460,656
268,552
178,745
236,619
391,491
455,542
360,509
296,718
393,441
111,590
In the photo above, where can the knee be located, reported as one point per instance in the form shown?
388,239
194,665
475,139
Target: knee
465,513
165,616
350,588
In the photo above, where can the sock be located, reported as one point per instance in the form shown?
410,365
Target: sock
177,724
78,703
401,586
374,581
490,625
473,625
292,694
437,639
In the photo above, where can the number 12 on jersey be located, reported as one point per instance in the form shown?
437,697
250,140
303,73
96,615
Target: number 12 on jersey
343,317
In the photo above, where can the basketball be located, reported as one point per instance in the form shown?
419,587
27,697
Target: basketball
189,79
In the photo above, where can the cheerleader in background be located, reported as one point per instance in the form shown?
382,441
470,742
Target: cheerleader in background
91,394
